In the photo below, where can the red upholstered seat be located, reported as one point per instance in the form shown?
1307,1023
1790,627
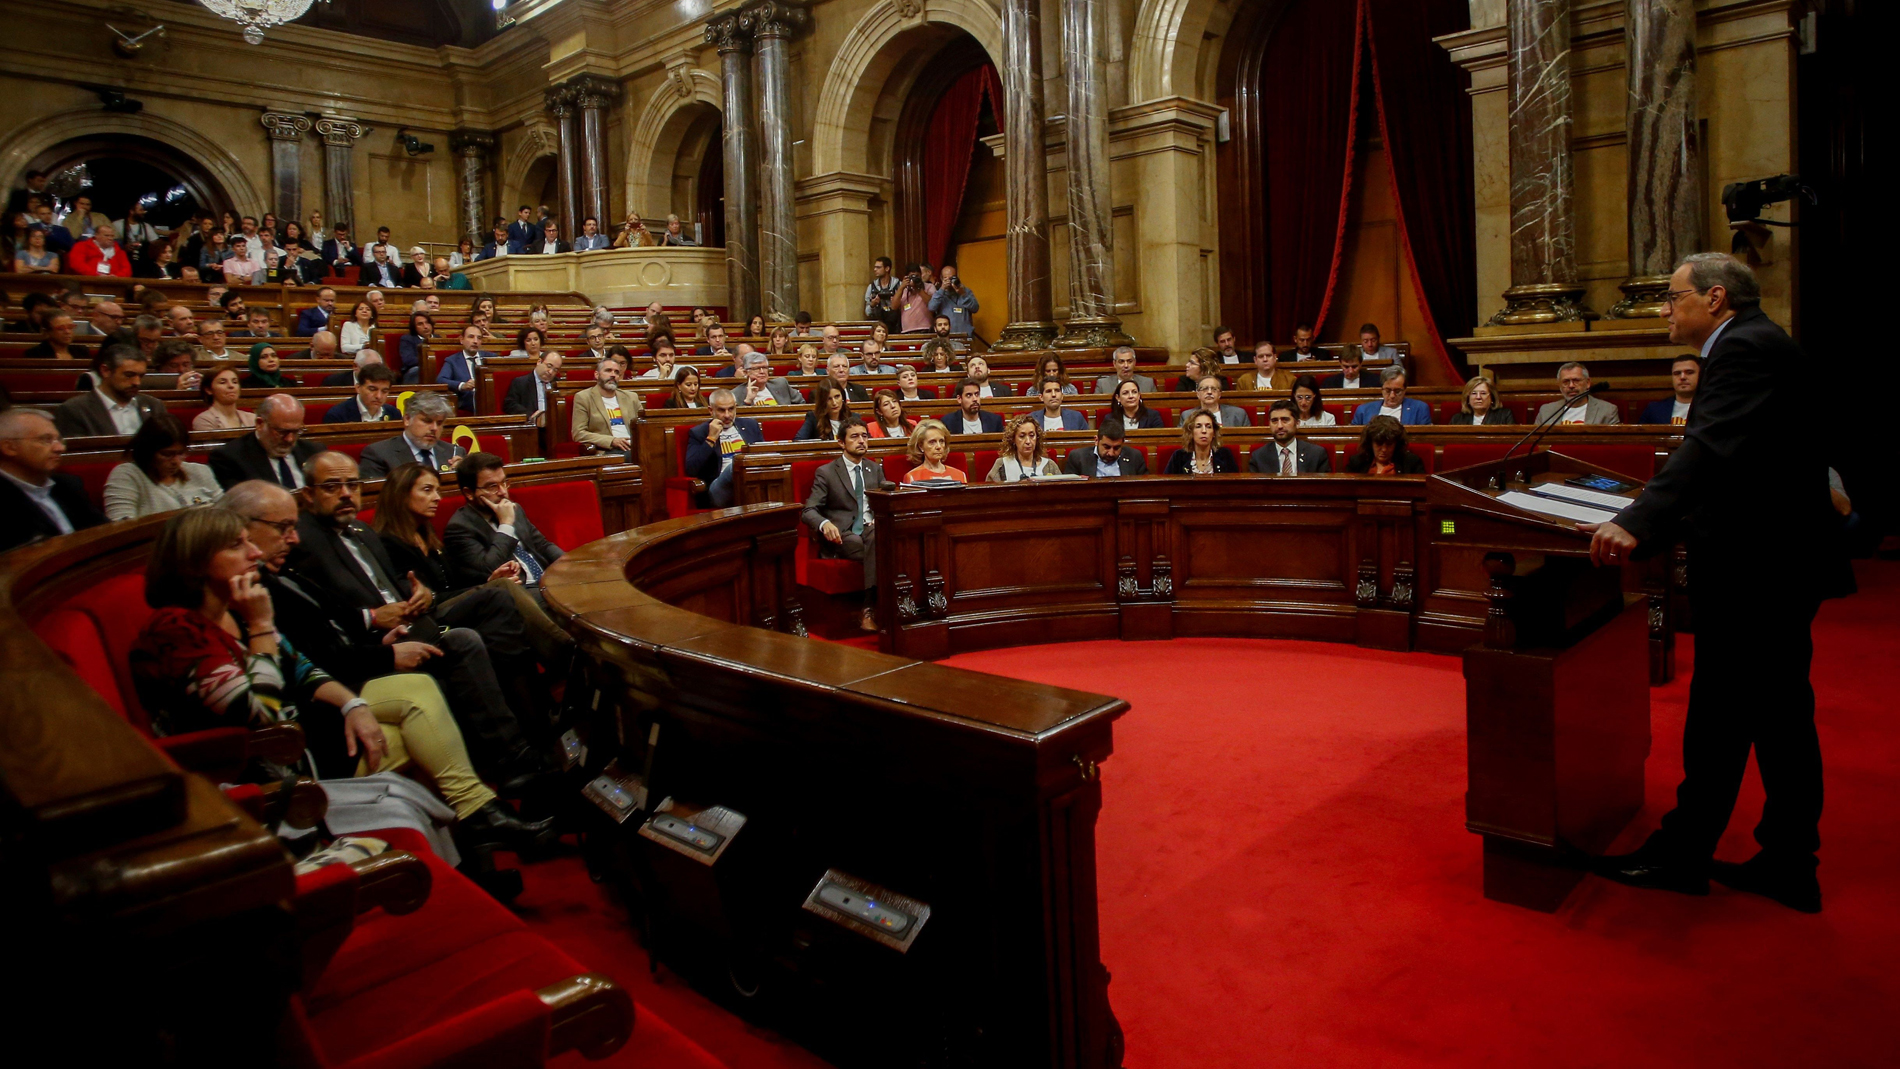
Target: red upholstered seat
681,500
779,430
94,472
568,513
830,576
896,466
314,409
99,624
75,637
353,449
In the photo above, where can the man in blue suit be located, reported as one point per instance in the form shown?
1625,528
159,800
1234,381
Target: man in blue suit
1054,417
522,232
1685,374
458,368
711,446
371,403
970,417
311,320
1393,402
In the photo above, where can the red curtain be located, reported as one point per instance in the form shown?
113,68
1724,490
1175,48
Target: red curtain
949,146
1424,118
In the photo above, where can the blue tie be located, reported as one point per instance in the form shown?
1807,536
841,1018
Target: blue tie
529,566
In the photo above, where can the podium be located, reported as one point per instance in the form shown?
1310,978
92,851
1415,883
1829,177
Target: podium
1557,690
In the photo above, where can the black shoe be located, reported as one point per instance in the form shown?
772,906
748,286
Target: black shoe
496,825
1792,887
1645,868
525,770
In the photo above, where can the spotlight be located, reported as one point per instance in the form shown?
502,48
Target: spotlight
412,144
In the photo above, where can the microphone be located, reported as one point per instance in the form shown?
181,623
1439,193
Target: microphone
1551,420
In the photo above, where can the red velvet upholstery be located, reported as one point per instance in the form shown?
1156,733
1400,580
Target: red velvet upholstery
74,635
896,466
568,513
314,408
680,499
114,607
94,474
779,430
830,576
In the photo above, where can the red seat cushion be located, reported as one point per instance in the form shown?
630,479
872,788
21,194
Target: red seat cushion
779,430
75,637
568,513
115,606
93,473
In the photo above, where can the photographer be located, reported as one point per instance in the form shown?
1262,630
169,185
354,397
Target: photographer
881,293
913,301
634,234
954,301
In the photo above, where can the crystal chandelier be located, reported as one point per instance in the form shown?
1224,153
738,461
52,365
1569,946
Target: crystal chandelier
255,16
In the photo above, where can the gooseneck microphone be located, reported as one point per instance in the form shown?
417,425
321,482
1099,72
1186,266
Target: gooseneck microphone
1551,420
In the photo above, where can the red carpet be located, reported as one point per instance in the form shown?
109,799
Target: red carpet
1285,877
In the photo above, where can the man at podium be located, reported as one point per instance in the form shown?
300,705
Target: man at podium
1764,551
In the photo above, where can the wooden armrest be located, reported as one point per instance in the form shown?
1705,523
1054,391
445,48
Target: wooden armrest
222,752
328,901
588,1013
396,880
280,743
300,804
687,483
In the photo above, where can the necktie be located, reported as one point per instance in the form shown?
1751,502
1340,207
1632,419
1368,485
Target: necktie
857,516
423,458
530,567
1286,460
283,474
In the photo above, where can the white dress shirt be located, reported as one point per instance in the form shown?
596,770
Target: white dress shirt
125,415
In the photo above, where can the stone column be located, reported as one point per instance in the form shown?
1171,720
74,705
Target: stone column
1092,321
560,103
286,162
773,23
1665,188
473,147
339,180
734,41
1544,286
593,95
1025,182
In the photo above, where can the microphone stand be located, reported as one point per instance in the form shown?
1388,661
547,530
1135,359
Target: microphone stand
1545,424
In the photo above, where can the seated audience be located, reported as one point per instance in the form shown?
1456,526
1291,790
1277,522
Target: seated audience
37,500
779,343
1288,453
379,270
838,370
634,234
977,370
595,348
755,326
1208,392
529,342
415,345
317,317
156,477
266,370
57,340
1020,455
114,405
419,443
829,410
1382,451
1480,407
1226,349
212,346
1685,374
685,390
1303,346
1201,452
175,357
274,452
490,529
970,417
1053,416
1051,366
908,390
1352,373
1371,348
675,232
458,369
1267,374
839,508
358,330
239,268
536,393
1124,361
256,322
33,256
1393,402
100,255
220,390
887,416
872,362
549,242
1110,457
1132,409
808,360
665,352
761,387
1577,406
829,340
711,446
604,414
940,331
371,403
929,445
938,355
1200,365
1311,408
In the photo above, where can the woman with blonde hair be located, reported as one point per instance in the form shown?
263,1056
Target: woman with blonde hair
1201,452
1021,454
929,445
1480,406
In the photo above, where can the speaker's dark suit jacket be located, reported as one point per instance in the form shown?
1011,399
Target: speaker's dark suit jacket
1082,462
474,548
1308,458
351,411
26,522
379,459
244,458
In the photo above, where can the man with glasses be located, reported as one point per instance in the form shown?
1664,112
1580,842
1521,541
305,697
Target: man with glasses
1573,381
275,452
37,500
1753,505
101,319
492,529
419,443
1392,402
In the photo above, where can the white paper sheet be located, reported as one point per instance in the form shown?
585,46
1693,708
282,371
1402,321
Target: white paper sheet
1562,510
1615,502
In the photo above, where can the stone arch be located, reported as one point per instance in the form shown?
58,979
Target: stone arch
864,72
538,141
18,149
672,113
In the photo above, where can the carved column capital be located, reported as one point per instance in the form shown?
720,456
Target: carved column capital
472,142
339,131
774,18
593,91
560,101
729,33
285,127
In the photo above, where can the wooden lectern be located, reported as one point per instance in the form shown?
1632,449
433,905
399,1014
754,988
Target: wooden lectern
1557,691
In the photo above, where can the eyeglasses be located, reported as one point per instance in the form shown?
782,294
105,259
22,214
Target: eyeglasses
1673,296
282,527
337,486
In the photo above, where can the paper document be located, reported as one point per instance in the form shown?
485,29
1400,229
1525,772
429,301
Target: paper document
1562,510
1598,498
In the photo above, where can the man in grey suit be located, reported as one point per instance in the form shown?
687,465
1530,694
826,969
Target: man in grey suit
115,406
839,512
761,386
1573,381
419,443
1109,457
491,530
1208,390
1124,359
1371,349
1288,453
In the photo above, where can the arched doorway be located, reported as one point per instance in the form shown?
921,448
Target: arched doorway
541,185
116,169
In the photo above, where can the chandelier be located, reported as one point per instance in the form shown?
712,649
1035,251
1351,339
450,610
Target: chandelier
255,16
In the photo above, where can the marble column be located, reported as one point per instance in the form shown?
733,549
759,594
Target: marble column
286,162
733,38
1092,321
1665,188
1025,182
560,104
339,179
472,147
773,23
1544,285
593,95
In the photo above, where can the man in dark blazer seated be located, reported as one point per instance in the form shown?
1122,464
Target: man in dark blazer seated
711,446
1289,454
1352,373
1758,519
419,443
341,253
1109,457
535,393
37,500
491,529
311,320
1685,372
274,452
969,418
371,403
379,270
115,406
839,512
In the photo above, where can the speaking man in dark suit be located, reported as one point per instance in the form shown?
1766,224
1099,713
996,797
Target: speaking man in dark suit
371,403
491,529
419,443
1764,541
1109,457
274,452
839,511
36,499
712,446
1288,453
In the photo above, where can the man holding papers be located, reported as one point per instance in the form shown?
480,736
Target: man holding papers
1764,551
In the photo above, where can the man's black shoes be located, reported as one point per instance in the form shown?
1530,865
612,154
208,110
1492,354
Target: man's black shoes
1651,869
1793,886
